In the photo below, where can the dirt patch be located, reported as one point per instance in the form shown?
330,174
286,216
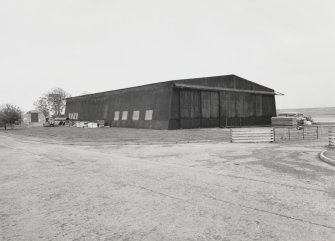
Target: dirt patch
120,135
192,191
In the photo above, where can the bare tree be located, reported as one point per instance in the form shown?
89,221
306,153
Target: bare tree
42,106
56,99
9,114
53,102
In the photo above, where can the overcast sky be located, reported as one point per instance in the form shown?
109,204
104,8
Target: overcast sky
100,45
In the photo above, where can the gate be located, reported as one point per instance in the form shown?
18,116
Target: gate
332,137
282,134
278,134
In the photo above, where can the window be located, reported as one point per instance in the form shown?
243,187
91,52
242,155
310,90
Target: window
148,114
136,115
116,115
124,115
73,116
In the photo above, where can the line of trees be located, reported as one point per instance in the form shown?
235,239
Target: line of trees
50,104
10,114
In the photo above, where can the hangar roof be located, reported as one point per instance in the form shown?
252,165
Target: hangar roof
232,83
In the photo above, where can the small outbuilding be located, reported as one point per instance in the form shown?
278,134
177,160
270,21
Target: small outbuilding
219,101
34,118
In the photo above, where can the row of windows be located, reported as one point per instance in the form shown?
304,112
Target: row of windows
73,116
136,115
124,116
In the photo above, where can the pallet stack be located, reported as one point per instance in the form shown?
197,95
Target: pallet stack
252,135
92,125
284,121
81,124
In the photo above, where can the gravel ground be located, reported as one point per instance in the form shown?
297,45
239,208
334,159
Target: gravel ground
119,135
191,191
70,135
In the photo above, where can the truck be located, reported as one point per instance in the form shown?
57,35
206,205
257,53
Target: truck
57,121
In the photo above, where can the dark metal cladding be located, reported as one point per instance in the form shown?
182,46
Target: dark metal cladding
171,105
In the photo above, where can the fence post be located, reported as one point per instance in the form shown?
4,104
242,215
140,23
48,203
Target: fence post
303,133
274,134
289,134
331,137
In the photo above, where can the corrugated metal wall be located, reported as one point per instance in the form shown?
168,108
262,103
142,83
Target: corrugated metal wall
202,108
135,101
212,109
174,108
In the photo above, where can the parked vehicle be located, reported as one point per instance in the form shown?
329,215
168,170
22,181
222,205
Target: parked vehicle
57,121
49,122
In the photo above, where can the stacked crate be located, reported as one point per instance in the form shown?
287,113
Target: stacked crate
284,121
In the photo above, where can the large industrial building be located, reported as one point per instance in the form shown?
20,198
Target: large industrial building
219,101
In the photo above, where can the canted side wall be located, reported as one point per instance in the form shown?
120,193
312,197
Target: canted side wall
146,107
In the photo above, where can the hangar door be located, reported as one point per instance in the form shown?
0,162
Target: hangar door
210,116
199,108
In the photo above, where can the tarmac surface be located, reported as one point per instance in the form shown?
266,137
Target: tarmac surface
191,191
330,154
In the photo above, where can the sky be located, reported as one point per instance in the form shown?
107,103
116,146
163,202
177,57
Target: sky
92,46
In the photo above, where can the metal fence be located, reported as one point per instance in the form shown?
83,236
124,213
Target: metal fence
282,134
277,134
332,137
